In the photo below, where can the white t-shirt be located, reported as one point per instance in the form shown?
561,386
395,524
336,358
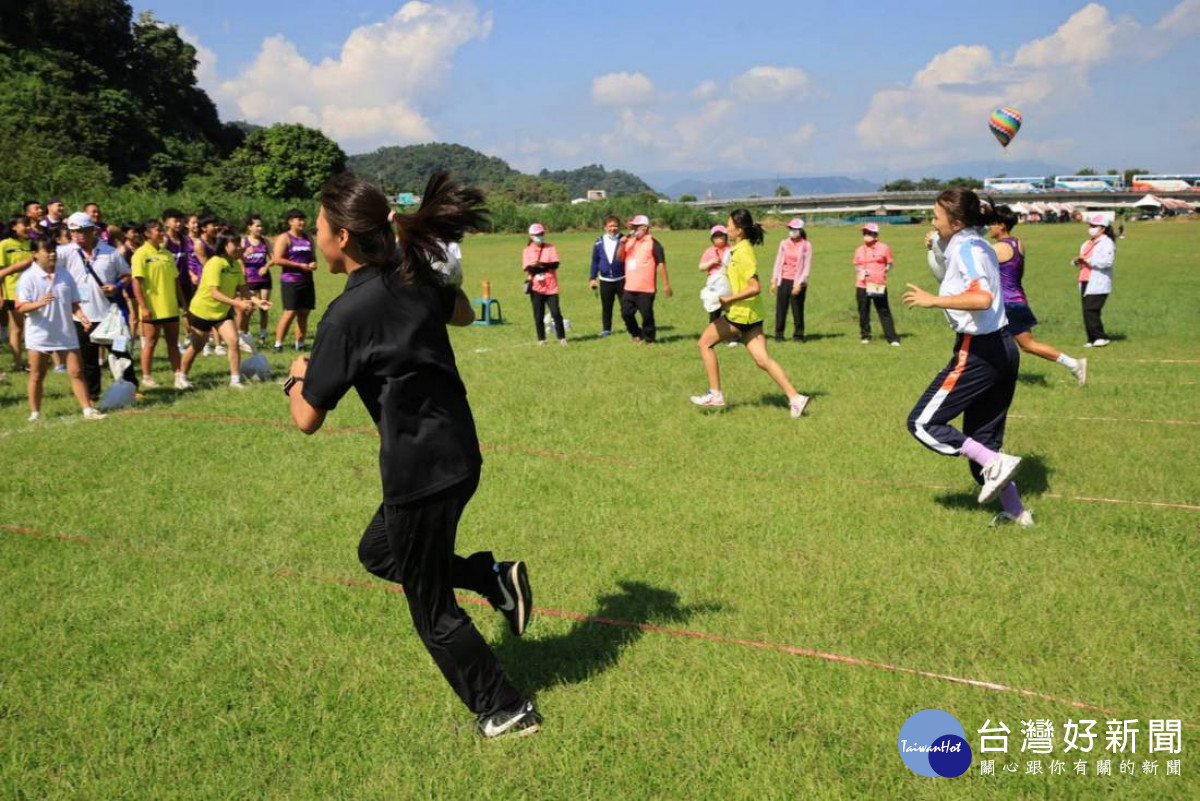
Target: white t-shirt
51,327
109,266
971,264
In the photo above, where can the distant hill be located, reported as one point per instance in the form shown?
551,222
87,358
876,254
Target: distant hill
594,176
407,168
765,187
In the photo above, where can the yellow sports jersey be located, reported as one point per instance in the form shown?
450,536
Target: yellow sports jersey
743,265
155,267
13,251
218,274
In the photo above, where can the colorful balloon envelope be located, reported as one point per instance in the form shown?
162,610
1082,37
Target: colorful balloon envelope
1004,124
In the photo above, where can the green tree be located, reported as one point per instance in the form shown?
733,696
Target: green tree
1132,171
966,182
782,191
1086,171
901,185
687,198
286,160
929,185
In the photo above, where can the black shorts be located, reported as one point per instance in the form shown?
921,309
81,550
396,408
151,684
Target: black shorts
9,305
744,327
162,321
299,296
1020,318
258,286
200,324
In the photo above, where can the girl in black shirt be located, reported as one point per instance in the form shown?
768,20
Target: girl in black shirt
386,337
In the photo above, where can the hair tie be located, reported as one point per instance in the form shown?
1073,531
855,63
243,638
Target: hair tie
391,216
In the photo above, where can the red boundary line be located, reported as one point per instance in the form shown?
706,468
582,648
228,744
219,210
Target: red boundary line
720,639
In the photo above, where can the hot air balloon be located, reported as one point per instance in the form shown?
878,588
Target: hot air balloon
1004,124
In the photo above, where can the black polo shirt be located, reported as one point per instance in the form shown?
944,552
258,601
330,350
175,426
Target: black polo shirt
390,343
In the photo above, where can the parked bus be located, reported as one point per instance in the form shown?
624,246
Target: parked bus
1089,183
1006,184
1166,183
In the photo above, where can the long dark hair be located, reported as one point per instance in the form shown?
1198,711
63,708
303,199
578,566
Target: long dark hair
404,244
743,219
1007,217
965,206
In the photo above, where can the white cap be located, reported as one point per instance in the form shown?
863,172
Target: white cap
640,219
79,221
1101,219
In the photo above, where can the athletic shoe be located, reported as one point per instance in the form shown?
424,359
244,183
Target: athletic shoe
149,383
220,350
895,343
182,382
710,399
236,384
996,475
864,342
182,348
515,599
605,334
92,413
734,343
515,722
797,404
300,346
541,342
208,351
1100,343
277,348
35,416
1080,372
262,339
1024,520
61,368
562,341
245,345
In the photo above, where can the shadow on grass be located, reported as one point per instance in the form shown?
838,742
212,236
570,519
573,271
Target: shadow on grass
1033,379
1033,479
594,645
818,337
775,399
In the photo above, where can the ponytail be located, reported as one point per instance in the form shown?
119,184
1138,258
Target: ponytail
448,210
965,206
404,244
752,230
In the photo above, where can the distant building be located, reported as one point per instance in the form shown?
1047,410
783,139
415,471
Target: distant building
594,195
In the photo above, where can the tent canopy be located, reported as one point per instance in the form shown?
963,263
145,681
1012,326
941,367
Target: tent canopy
1148,200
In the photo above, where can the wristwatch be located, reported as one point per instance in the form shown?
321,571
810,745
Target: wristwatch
291,382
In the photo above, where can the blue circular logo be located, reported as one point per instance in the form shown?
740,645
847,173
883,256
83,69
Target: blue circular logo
933,743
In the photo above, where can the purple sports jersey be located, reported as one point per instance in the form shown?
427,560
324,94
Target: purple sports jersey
196,261
256,259
299,250
179,251
1011,273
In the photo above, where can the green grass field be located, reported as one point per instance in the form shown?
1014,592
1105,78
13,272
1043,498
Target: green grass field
183,614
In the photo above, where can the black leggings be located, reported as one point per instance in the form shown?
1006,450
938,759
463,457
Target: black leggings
784,299
610,295
540,302
1092,304
413,545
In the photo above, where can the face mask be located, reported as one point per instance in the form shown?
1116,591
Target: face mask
1095,231
867,238
537,240
793,233
639,233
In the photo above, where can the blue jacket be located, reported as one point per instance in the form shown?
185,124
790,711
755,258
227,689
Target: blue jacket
602,267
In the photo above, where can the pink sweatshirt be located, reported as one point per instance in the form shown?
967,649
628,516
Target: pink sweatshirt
792,262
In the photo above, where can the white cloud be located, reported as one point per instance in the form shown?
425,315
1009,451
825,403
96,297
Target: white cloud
371,93
705,90
771,84
801,136
940,116
622,89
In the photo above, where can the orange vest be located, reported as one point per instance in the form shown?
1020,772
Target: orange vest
641,271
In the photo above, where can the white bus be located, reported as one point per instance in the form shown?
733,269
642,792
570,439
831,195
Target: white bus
1006,184
1166,183
1089,183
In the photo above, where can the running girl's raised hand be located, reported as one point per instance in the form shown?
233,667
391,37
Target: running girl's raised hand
915,296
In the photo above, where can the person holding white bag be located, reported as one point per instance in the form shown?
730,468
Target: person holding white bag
100,273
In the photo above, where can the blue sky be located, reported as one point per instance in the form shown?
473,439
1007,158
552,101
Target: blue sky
770,87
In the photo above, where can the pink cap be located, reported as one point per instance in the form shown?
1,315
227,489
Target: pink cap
872,228
797,223
718,229
640,219
1099,219
537,229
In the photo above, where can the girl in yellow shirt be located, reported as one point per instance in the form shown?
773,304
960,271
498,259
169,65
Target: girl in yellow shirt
742,315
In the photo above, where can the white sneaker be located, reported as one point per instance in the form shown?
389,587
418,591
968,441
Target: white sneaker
1100,343
182,382
1080,371
208,350
245,344
182,348
541,343
710,399
997,474
864,342
35,416
236,384
1024,520
797,404
92,413
895,344
220,350
149,383
563,341
733,344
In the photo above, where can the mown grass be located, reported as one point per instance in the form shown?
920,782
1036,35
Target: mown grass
199,626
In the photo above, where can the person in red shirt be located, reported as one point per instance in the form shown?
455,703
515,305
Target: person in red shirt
540,262
872,260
